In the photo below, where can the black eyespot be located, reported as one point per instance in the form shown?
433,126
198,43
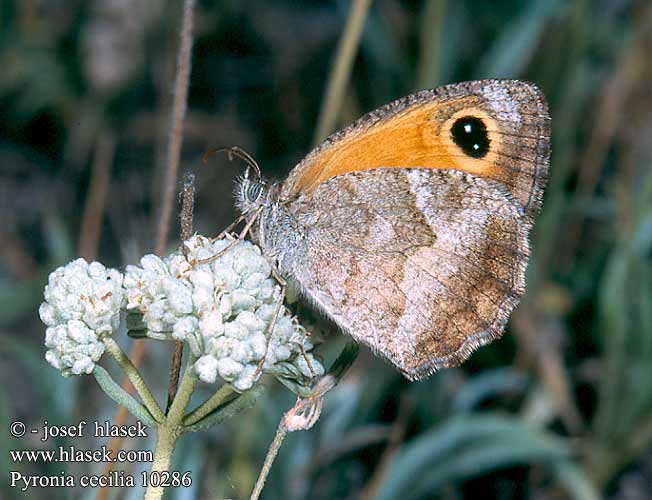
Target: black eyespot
470,134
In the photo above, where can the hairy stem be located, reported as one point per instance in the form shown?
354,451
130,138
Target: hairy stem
169,431
269,460
209,405
135,378
166,441
187,208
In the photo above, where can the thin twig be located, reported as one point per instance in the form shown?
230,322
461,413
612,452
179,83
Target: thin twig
186,219
346,51
269,460
175,139
98,191
176,127
301,417
396,436
187,206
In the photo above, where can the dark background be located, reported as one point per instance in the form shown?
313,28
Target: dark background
561,407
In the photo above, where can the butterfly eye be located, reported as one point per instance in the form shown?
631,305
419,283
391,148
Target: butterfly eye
470,134
253,190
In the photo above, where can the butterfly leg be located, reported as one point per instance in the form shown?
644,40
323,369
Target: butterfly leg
307,359
228,229
237,240
270,329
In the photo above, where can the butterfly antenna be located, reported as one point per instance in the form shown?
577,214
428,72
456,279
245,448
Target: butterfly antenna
240,153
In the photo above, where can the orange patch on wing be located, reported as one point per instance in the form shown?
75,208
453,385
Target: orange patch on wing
418,137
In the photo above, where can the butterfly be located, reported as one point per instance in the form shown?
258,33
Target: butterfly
409,228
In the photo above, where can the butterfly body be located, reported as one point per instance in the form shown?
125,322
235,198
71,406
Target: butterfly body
409,229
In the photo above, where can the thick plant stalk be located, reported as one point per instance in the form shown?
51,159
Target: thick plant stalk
169,431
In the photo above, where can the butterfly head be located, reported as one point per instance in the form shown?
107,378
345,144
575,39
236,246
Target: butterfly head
250,192
250,188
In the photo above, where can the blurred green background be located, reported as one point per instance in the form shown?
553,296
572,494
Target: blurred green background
560,407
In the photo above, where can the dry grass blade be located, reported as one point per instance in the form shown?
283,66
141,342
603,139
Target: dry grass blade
341,72
98,191
176,126
432,28
396,437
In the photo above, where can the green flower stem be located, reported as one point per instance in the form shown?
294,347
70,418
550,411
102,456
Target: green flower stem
122,397
166,441
184,393
135,378
227,410
171,428
209,405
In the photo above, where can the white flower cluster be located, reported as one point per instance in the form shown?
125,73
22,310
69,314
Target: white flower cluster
223,310
82,304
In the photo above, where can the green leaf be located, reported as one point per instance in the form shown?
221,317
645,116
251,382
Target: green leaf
464,447
228,410
518,42
120,396
489,383
575,481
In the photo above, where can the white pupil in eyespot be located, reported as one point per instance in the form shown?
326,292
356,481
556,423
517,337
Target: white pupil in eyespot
469,133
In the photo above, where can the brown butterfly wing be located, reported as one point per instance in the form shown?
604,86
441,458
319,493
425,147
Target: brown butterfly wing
411,242
415,132
422,265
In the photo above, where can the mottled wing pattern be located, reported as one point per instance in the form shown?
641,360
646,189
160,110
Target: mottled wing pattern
422,265
413,243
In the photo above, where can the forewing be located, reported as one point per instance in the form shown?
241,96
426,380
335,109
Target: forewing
416,132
